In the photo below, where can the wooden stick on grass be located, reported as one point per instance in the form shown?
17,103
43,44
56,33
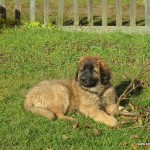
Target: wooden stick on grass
127,91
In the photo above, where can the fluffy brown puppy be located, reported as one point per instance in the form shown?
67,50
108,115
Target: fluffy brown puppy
91,93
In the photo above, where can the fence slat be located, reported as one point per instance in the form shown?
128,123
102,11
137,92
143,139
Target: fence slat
90,12
104,12
76,12
118,12
2,9
147,12
60,12
17,10
32,10
46,12
132,12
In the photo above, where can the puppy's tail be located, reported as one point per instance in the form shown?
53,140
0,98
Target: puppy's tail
28,106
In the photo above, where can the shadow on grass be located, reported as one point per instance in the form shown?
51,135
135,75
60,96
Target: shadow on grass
9,23
123,86
97,21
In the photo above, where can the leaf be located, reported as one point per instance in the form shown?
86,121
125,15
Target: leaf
135,136
97,132
87,126
134,146
75,126
126,144
65,137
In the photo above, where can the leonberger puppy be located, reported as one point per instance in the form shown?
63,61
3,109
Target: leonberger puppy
90,92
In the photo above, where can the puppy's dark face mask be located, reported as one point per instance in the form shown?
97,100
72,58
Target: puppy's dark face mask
92,71
89,77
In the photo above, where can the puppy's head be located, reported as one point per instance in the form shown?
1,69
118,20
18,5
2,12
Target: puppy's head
92,70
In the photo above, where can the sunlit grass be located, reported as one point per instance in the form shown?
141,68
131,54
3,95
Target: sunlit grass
29,55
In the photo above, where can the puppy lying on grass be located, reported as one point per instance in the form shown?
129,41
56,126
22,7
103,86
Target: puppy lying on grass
90,92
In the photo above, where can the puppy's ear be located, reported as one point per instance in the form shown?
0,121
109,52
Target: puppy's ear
105,73
80,60
79,65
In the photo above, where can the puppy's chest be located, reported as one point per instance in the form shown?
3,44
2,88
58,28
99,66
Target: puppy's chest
90,99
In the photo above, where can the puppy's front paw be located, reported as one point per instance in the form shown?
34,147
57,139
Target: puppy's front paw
111,121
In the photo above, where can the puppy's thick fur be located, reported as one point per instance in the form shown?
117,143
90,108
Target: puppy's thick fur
91,93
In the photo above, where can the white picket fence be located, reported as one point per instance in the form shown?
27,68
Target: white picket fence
75,3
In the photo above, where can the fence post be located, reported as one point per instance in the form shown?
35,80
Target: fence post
118,12
104,12
132,12
60,12
46,12
147,12
17,10
32,10
2,9
90,12
76,12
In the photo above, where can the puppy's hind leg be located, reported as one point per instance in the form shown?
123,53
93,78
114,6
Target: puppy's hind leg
40,111
44,112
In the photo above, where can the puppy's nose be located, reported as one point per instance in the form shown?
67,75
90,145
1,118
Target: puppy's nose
83,79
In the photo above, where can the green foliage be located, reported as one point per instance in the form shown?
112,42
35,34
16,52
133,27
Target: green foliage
33,24
38,24
33,53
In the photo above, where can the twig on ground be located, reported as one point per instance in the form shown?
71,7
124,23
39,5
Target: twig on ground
131,87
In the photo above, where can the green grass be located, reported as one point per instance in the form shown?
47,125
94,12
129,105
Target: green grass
30,55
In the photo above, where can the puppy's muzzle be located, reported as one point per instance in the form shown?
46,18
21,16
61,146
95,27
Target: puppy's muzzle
83,79
87,80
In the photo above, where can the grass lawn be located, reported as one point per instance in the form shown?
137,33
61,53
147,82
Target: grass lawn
30,55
